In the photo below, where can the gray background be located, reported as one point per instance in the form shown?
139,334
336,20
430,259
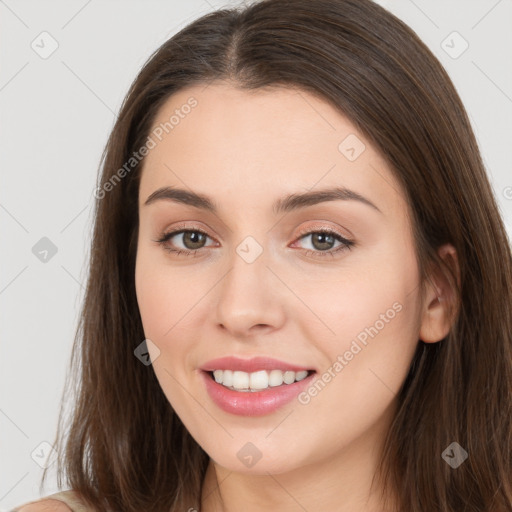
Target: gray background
56,115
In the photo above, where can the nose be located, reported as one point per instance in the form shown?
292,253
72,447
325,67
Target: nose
250,298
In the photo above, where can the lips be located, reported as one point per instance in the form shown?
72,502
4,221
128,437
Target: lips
230,384
251,365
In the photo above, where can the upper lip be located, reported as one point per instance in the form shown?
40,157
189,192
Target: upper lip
250,365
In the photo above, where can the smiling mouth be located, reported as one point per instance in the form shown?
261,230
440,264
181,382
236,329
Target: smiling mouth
257,381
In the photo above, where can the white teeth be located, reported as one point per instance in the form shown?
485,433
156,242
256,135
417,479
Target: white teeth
227,377
289,377
240,380
301,375
256,381
275,378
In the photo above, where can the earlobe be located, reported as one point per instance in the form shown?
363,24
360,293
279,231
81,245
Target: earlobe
440,300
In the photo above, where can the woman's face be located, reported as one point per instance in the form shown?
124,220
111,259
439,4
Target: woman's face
258,277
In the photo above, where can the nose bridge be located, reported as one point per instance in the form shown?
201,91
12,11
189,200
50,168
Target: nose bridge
247,278
247,295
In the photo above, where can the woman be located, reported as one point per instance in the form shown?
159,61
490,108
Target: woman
300,285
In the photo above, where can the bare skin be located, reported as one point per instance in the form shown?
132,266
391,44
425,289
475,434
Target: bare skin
294,302
46,505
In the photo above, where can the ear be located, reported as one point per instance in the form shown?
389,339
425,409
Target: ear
439,301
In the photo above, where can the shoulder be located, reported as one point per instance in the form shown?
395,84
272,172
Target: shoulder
45,505
64,501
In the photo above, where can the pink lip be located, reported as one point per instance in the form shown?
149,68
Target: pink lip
250,365
252,403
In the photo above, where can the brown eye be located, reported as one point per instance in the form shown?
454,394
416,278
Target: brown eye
187,241
323,243
193,239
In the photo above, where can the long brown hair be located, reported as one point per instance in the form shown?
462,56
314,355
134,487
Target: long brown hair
124,448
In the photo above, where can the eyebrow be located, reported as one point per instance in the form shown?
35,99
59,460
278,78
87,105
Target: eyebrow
283,205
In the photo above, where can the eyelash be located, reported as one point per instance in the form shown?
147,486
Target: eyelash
345,244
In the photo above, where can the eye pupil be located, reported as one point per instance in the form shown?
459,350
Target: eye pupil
325,240
193,237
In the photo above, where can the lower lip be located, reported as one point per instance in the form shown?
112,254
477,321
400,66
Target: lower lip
253,403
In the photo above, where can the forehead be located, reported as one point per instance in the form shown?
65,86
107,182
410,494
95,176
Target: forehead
220,140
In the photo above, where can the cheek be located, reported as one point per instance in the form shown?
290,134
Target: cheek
370,325
378,290
166,294
165,303
374,319
153,297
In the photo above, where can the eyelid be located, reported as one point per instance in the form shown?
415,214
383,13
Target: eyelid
345,243
321,226
168,234
316,226
186,226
